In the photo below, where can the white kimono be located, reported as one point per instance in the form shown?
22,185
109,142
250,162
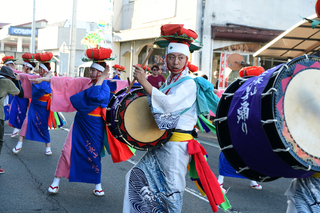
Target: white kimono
157,182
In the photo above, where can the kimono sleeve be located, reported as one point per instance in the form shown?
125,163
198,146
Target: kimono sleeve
63,88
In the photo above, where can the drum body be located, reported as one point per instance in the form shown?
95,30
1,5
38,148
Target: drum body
129,119
267,126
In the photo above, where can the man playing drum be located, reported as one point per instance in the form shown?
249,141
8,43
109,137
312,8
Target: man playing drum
157,182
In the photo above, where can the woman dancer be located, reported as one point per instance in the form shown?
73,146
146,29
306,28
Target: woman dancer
19,106
35,125
80,159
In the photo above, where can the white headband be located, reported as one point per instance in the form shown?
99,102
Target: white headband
24,63
178,48
43,67
9,62
30,65
98,67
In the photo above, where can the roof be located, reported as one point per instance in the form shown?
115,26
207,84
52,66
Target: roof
237,32
298,40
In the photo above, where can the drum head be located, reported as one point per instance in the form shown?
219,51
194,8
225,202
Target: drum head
133,121
139,122
296,107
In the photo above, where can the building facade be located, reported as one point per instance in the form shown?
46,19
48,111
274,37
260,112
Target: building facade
223,27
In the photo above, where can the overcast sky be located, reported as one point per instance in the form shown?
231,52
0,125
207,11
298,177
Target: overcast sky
16,11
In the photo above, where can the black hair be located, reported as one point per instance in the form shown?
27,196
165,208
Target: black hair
204,76
102,64
155,66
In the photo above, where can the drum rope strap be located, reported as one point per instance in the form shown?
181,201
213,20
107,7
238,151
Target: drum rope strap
268,121
263,179
269,92
227,95
282,150
301,168
220,119
275,73
242,169
227,147
306,57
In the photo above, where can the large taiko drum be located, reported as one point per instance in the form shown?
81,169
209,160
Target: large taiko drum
268,125
129,119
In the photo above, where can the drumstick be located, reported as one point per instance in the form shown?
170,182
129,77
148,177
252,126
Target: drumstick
144,63
128,81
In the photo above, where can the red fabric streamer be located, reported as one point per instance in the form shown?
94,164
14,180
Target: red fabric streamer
119,151
207,178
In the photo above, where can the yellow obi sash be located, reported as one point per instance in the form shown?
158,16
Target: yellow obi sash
316,175
178,136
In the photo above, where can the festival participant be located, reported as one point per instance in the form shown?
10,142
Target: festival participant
117,71
303,194
225,169
9,61
35,125
157,182
80,159
19,106
156,79
6,87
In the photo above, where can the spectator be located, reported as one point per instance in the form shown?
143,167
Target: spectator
156,80
6,87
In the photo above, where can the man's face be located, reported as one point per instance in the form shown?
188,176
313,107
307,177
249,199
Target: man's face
176,61
155,71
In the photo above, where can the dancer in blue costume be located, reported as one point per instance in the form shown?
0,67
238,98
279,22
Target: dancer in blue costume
35,125
80,159
19,106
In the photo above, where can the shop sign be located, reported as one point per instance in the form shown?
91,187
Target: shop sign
21,31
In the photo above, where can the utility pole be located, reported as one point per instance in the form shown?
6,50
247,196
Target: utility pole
73,33
33,30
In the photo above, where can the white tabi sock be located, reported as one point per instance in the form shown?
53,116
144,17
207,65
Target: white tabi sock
48,149
220,179
19,145
56,182
98,187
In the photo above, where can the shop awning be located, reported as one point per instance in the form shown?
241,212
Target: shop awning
298,40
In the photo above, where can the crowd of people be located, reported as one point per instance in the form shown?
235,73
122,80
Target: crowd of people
160,173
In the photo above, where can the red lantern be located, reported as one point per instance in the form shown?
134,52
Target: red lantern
99,53
46,56
318,8
251,71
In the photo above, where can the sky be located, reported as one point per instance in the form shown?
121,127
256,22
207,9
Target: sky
21,11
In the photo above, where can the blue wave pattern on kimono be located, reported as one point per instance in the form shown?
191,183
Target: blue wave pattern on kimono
150,190
38,114
87,135
18,111
307,195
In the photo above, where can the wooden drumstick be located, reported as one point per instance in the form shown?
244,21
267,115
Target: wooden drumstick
144,63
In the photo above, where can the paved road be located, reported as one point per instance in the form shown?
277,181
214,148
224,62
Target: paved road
23,187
